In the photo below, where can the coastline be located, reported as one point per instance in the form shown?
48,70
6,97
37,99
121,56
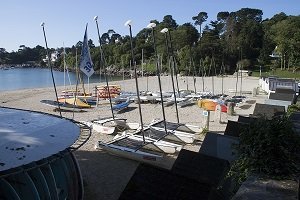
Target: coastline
105,176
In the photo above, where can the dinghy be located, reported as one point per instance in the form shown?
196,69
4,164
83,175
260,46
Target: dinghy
189,101
74,101
184,132
132,149
111,125
61,106
188,128
121,106
150,136
183,137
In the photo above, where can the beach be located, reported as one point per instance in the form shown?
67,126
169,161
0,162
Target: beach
104,175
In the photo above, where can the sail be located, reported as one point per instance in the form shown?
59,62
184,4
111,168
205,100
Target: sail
86,64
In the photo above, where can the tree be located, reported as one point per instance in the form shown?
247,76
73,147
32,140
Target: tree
169,22
221,22
199,19
105,38
91,44
286,37
185,35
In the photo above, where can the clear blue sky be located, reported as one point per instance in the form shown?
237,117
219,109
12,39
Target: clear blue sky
65,20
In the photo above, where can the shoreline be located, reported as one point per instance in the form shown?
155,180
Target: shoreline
104,175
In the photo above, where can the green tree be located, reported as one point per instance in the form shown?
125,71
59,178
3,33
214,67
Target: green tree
199,19
169,22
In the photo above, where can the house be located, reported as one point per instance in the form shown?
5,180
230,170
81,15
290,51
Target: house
53,57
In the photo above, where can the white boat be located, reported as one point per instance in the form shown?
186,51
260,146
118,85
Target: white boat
110,125
177,126
185,133
187,102
62,106
184,137
170,101
165,146
132,149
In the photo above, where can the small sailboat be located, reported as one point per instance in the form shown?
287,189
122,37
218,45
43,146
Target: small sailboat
133,148
110,125
168,128
188,101
61,106
74,101
159,141
121,106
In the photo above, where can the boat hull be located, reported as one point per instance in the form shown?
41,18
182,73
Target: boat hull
166,147
130,153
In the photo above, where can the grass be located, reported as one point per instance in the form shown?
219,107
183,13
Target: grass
279,73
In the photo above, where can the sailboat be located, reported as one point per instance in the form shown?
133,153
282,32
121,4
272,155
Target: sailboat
159,142
185,133
128,147
106,125
111,125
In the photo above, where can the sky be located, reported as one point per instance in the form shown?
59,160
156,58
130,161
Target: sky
65,20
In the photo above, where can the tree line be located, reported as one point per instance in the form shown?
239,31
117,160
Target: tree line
240,38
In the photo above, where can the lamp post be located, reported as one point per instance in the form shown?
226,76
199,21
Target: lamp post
103,63
152,26
165,32
128,23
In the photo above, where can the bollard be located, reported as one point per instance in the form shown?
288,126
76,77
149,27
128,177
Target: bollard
206,114
254,92
218,112
230,108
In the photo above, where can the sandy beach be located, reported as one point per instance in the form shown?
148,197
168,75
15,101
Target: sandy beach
104,175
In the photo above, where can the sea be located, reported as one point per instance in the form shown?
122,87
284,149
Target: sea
26,78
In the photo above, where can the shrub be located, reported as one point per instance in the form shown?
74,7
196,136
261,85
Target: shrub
269,148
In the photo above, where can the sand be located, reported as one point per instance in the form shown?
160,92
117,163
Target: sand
104,175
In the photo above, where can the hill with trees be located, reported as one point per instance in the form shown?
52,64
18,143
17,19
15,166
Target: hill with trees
240,38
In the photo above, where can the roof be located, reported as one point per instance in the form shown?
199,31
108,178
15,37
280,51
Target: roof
220,146
200,167
27,136
234,128
246,120
268,110
149,182
282,96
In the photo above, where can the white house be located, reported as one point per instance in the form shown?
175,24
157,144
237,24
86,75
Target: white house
53,57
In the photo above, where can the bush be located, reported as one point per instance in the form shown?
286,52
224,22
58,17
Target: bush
269,148
293,108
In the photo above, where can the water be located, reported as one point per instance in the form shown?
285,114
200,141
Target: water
26,78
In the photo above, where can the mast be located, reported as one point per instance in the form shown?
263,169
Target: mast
171,66
51,68
152,26
143,63
128,23
174,60
105,70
